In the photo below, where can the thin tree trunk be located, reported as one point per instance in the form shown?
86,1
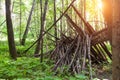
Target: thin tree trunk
40,43
54,22
10,32
20,21
37,50
85,9
116,40
61,20
28,24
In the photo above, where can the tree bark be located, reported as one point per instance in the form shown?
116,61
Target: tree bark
116,40
12,48
54,22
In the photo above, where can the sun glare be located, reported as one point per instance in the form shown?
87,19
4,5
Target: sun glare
100,5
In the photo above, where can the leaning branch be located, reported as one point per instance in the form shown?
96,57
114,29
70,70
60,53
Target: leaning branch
40,38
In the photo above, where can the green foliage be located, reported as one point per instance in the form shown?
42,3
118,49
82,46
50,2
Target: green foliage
3,48
27,68
23,67
30,68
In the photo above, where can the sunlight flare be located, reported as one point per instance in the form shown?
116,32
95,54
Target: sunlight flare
100,4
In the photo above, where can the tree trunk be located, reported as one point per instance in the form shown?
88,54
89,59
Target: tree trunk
116,40
20,20
54,22
61,20
40,42
28,24
10,32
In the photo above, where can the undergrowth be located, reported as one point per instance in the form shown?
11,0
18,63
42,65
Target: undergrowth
30,68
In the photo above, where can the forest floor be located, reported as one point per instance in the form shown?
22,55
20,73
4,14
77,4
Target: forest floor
30,67
103,72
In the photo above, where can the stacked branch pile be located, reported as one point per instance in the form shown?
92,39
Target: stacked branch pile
88,46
